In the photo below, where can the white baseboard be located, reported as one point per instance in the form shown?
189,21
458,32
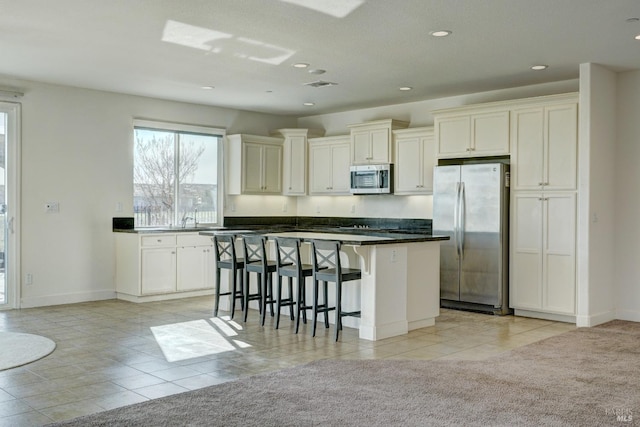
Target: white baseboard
594,319
417,324
630,315
73,298
373,333
545,316
165,297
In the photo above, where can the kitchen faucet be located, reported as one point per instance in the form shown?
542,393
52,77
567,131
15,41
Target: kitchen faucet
186,218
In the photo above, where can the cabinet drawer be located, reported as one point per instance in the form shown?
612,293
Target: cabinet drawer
193,240
158,240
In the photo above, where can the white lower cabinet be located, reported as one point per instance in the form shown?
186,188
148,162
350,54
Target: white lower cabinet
543,252
151,266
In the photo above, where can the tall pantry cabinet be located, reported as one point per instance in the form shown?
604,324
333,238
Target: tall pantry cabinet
544,155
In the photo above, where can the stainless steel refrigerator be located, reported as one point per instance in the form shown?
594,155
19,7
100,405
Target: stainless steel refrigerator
471,206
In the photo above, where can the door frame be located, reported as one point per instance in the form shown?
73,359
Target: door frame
13,163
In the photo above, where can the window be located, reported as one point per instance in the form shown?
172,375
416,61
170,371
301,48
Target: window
175,174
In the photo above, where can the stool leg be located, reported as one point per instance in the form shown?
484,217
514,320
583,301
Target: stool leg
247,282
233,292
217,303
303,299
338,308
290,283
326,304
270,289
278,300
315,306
241,276
263,283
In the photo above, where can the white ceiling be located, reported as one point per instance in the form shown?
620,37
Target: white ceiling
245,48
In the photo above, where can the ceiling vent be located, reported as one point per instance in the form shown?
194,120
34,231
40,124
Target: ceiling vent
320,83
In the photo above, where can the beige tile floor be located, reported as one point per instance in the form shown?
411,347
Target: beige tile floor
115,353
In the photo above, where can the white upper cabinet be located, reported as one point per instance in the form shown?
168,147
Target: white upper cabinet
254,164
545,147
294,162
472,133
329,165
415,155
372,142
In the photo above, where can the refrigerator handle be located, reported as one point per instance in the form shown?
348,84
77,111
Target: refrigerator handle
461,225
456,217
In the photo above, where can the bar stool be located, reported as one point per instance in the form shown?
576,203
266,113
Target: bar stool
326,253
255,261
289,265
226,258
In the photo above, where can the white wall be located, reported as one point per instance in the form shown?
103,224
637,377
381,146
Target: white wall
77,149
627,198
596,225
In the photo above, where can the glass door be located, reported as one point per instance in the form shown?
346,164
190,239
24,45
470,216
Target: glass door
9,193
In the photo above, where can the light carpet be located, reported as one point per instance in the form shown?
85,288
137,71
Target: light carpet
586,377
17,349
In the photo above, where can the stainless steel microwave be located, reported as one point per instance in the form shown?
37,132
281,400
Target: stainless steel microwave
372,179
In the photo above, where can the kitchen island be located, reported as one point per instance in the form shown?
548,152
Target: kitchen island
400,286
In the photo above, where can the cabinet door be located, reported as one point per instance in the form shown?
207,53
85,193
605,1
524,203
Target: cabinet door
490,134
194,267
454,136
528,141
340,177
272,169
361,147
429,162
158,272
408,166
295,166
559,253
320,163
252,168
561,130
380,146
525,291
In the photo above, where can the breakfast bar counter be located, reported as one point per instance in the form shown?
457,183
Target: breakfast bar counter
400,286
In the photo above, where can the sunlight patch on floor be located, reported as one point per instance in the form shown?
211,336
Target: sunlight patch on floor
197,338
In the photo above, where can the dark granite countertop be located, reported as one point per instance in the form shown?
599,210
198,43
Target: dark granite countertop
347,235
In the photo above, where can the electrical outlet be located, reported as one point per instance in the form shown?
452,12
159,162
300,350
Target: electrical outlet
119,207
318,209
284,207
353,208
52,207
394,255
28,279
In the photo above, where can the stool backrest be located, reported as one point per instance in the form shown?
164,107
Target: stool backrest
254,248
225,246
325,254
288,252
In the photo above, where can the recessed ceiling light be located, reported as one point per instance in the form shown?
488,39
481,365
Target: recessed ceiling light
309,104
268,91
207,87
440,33
631,20
638,37
317,71
539,67
300,65
405,88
